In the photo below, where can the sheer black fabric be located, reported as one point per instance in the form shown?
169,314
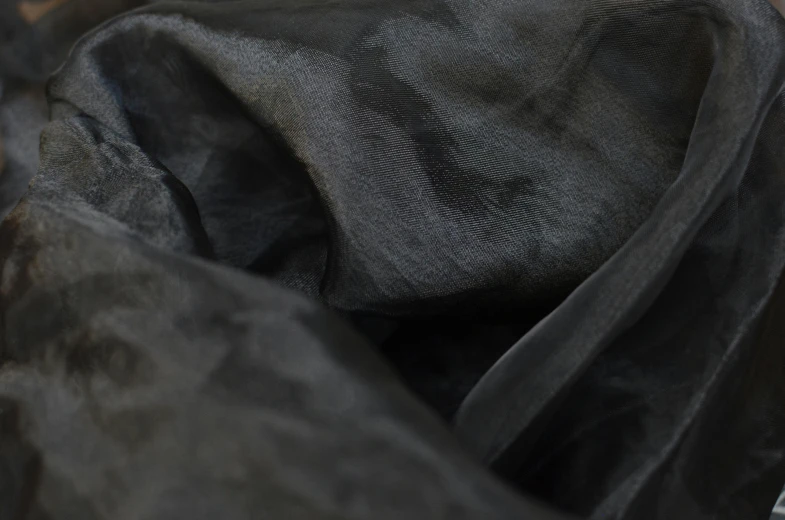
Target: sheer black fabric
399,259
35,37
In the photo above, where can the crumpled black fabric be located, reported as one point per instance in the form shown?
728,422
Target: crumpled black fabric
35,37
403,259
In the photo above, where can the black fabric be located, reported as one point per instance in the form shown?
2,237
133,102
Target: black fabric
314,259
35,37
779,508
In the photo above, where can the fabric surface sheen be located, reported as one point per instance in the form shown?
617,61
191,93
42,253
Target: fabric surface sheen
304,259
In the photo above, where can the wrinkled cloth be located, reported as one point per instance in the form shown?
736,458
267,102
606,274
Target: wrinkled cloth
779,508
454,259
35,37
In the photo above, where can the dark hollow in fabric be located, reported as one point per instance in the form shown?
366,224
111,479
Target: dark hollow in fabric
402,259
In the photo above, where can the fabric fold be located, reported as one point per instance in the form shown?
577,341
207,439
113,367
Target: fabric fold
272,246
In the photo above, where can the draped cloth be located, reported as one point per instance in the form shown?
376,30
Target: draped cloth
393,259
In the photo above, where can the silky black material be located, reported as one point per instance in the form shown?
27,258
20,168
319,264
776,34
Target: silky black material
395,259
